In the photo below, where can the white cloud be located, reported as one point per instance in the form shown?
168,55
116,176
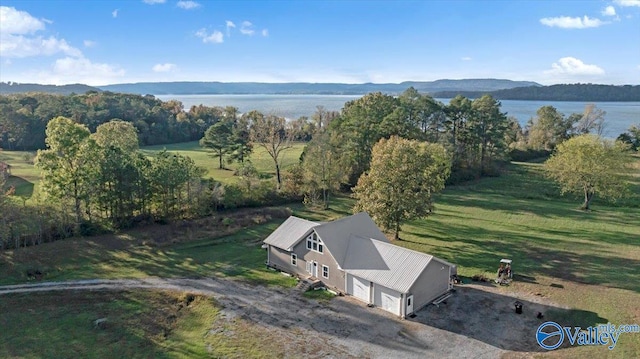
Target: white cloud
246,28
230,25
187,4
215,37
25,46
466,58
609,11
114,13
574,67
567,22
265,32
164,67
16,22
153,2
81,70
17,38
627,2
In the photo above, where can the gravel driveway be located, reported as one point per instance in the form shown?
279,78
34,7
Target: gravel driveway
476,322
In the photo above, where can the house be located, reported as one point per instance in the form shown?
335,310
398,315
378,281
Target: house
352,256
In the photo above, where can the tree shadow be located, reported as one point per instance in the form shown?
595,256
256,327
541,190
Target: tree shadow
23,188
491,318
478,247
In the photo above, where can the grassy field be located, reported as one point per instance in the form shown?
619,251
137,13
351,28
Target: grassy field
25,176
133,255
203,158
587,261
140,324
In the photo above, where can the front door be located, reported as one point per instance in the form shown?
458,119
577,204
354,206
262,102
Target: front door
315,269
410,304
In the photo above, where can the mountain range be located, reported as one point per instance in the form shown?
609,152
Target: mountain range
303,88
472,88
291,88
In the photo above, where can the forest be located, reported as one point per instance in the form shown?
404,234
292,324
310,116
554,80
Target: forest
95,179
562,92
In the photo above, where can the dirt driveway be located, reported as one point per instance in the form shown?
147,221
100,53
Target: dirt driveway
476,322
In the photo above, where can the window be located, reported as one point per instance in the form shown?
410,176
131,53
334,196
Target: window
325,272
314,243
409,302
294,259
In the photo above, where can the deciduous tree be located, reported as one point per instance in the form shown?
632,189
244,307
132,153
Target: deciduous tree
588,165
549,128
323,169
67,163
403,177
271,133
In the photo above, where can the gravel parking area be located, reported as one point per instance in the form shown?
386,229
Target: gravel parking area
478,321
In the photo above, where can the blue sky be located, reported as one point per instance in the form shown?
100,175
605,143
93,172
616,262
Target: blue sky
104,42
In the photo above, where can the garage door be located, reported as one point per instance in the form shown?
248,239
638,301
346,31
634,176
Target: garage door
360,289
387,299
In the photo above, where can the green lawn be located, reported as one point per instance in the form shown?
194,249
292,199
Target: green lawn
140,324
25,176
204,158
587,261
122,256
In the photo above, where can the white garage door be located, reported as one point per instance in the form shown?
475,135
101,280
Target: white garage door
387,299
360,289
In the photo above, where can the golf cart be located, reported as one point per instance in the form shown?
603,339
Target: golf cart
505,272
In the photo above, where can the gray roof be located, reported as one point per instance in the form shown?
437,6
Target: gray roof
335,234
359,248
384,263
289,233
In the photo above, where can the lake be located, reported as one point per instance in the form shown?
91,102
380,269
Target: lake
619,115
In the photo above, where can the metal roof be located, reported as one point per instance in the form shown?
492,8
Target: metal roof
359,248
386,264
335,234
289,233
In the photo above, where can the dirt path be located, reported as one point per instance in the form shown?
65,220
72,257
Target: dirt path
340,328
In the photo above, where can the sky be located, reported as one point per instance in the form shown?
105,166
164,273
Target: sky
106,42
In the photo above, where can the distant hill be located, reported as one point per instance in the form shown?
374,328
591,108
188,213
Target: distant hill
304,88
567,92
472,88
13,87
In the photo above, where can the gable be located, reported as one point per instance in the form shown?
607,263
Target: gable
336,234
289,233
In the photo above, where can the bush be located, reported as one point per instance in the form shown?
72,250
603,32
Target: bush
519,155
92,229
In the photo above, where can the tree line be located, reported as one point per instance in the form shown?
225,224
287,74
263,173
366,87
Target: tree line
24,117
396,152
94,179
562,92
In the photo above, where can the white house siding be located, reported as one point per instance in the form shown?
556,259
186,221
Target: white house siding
433,282
387,299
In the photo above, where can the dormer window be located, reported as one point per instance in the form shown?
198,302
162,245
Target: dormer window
314,243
